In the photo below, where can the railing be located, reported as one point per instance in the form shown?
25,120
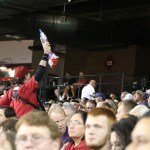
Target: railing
104,81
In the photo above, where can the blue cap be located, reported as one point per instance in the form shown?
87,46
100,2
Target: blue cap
99,95
145,96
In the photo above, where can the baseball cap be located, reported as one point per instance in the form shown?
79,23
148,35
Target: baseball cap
128,96
145,96
99,95
21,71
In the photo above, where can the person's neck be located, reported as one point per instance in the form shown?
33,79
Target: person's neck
76,142
105,147
139,101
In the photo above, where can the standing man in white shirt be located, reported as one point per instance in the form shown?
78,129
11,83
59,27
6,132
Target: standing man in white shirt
88,90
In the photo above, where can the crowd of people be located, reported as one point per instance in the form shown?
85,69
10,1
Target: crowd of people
93,121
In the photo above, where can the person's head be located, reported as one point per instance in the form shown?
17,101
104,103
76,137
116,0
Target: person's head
128,96
75,103
93,83
113,96
120,135
36,131
57,114
140,135
98,125
9,125
124,108
81,74
69,110
22,74
91,104
6,112
76,126
148,101
148,91
113,105
68,75
138,96
99,97
123,94
103,105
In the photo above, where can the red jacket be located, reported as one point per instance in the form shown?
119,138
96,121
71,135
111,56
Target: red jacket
82,146
26,91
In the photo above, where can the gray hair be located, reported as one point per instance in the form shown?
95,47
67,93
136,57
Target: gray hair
67,105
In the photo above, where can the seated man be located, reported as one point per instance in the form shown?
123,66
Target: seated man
90,105
35,130
124,108
68,90
57,114
79,84
88,90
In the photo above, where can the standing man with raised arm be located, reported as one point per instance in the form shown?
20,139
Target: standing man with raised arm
23,98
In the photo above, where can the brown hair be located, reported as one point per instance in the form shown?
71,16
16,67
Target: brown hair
103,112
40,118
128,105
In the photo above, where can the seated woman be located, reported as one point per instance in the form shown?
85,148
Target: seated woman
120,135
76,130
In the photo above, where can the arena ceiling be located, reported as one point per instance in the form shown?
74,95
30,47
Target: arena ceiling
84,24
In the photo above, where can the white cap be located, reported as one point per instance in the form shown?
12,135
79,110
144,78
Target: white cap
128,96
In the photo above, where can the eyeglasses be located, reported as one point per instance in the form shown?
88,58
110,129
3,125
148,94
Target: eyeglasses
75,123
35,139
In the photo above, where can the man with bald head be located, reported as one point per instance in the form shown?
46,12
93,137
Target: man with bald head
88,90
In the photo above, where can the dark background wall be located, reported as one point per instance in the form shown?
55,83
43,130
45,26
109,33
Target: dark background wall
129,64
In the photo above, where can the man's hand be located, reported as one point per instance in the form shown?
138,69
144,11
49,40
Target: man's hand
46,47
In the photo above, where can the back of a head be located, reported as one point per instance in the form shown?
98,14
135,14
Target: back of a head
92,82
113,105
8,111
128,105
67,105
103,112
9,124
38,119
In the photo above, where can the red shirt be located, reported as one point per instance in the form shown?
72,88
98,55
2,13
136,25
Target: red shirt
81,81
82,146
26,91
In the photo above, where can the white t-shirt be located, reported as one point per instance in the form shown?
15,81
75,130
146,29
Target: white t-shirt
87,91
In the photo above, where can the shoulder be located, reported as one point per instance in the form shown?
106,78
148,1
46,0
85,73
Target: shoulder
69,146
